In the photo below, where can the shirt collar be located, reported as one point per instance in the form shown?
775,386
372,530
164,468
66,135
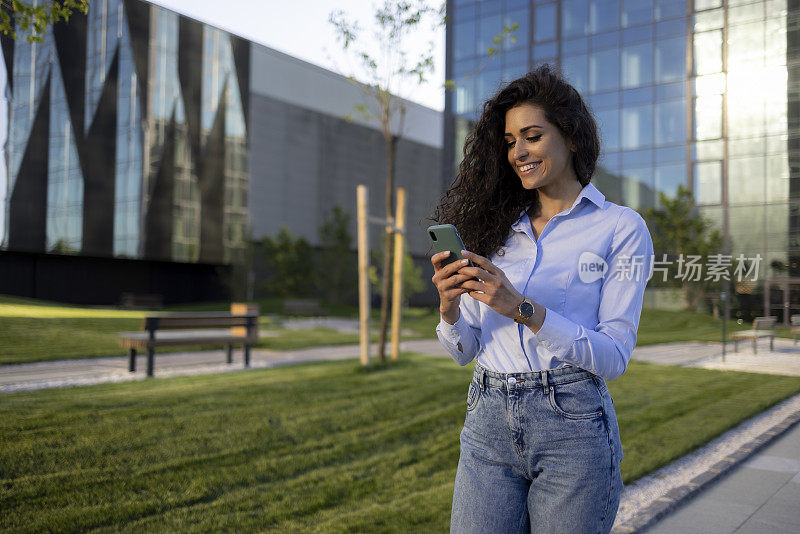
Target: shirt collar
589,192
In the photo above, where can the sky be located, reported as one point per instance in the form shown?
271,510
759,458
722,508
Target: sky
301,30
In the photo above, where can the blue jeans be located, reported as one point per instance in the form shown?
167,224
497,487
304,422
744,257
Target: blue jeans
540,452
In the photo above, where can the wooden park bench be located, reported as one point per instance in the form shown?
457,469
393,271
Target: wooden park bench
240,326
302,307
762,327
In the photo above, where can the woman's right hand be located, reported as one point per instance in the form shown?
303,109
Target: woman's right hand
448,283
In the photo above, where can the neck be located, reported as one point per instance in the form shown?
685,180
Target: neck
556,197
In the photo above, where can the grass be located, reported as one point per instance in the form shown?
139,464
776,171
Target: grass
41,331
309,448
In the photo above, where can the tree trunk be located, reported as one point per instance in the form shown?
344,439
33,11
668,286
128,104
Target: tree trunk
387,249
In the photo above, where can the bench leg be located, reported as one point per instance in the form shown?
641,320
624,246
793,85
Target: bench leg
230,353
247,355
771,339
735,345
150,362
755,347
132,360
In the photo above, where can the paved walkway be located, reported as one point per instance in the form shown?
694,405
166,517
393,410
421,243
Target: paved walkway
745,492
759,496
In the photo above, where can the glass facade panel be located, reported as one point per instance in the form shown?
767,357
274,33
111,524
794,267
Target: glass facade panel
746,180
604,70
574,17
604,15
488,29
708,117
608,122
636,12
670,122
637,126
576,68
670,60
464,40
637,65
709,20
519,37
637,189
777,178
544,28
708,182
666,9
708,52
668,178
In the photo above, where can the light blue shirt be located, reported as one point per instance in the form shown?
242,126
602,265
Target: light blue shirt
589,268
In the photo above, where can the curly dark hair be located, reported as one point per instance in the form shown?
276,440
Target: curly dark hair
487,196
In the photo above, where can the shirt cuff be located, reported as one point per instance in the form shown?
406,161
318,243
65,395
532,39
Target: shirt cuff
452,332
557,334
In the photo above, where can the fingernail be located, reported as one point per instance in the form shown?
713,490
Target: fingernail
464,252
464,262
446,252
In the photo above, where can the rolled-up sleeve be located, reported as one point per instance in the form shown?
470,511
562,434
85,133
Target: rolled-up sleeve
606,350
462,339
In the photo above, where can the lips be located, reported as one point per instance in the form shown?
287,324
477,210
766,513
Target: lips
529,167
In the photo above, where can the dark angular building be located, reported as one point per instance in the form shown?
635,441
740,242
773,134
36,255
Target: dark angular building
138,140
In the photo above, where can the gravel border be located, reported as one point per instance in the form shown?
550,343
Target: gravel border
650,498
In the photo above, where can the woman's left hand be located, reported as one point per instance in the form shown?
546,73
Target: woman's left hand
491,287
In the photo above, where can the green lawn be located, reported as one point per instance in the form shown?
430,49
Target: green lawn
310,448
40,331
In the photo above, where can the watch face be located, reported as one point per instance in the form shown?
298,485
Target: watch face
526,309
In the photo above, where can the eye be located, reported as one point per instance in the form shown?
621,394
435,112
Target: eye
534,138
510,144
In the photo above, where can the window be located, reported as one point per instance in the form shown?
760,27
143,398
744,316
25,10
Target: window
637,65
545,23
637,124
670,59
603,15
574,17
636,12
608,123
708,52
670,122
746,181
708,182
576,69
604,70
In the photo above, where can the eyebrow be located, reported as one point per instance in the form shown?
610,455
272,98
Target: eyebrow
525,129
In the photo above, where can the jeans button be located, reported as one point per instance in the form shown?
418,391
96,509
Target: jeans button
511,380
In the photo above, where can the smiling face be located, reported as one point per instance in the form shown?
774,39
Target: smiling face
537,151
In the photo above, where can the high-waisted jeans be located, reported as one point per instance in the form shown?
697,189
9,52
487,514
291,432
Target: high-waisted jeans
540,452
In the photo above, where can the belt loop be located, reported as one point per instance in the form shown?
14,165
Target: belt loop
482,378
545,385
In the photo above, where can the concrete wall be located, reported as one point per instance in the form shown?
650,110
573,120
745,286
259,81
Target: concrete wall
303,162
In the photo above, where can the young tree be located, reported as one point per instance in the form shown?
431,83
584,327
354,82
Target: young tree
390,63
33,19
678,229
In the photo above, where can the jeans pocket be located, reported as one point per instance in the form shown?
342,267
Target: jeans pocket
473,394
577,400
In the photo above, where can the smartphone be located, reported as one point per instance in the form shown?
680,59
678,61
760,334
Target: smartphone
445,237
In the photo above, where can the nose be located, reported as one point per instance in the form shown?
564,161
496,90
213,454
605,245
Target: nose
520,151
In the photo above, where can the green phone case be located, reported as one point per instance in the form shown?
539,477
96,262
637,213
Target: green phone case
445,237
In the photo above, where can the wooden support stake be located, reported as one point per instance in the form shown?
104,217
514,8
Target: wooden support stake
397,289
363,272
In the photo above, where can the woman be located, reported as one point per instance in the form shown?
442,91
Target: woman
550,309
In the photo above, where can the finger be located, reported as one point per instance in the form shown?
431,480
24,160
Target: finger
476,272
438,258
450,269
474,285
481,262
450,282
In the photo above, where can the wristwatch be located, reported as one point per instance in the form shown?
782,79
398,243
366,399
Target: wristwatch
524,311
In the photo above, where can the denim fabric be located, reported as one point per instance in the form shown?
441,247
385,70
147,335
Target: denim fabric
540,452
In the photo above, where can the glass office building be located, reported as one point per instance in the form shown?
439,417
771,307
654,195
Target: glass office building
128,138
702,93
